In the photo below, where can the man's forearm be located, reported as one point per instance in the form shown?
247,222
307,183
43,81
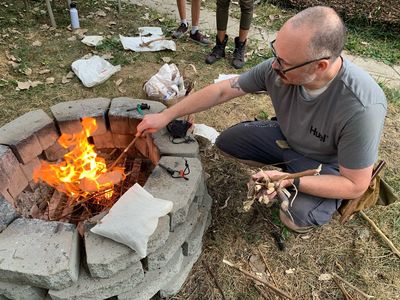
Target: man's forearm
203,99
331,186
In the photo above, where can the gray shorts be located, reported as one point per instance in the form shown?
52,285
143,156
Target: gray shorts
256,141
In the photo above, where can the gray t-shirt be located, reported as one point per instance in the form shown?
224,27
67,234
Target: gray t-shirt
342,125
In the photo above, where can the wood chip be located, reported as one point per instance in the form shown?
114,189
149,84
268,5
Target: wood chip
50,80
44,71
118,82
65,80
37,44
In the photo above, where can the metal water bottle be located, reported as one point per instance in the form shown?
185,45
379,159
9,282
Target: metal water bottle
74,16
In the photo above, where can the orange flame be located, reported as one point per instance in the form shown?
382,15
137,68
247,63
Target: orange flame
82,171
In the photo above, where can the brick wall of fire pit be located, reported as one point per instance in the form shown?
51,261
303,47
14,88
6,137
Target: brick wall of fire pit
49,259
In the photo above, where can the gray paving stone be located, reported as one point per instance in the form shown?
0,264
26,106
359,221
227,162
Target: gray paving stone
195,239
106,257
173,286
68,114
39,253
21,291
100,288
153,280
181,192
7,213
40,124
123,121
161,256
4,297
167,148
23,143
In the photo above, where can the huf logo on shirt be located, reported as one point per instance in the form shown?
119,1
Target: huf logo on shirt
315,132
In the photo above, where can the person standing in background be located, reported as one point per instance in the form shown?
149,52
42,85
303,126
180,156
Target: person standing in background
194,33
246,16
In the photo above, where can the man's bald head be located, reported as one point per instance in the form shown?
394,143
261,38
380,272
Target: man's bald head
328,33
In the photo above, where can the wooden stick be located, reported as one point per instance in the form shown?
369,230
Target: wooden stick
272,287
146,44
215,279
310,172
344,292
266,265
123,152
381,234
50,12
353,287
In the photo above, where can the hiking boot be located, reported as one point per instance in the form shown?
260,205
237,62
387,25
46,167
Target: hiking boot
238,54
199,38
181,30
218,51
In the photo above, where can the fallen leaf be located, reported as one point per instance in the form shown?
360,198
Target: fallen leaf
290,271
70,75
100,13
72,38
27,71
112,23
146,16
50,80
118,82
65,80
24,85
121,90
80,31
305,237
37,44
44,27
44,71
161,20
36,83
166,59
14,65
325,277
107,56
256,263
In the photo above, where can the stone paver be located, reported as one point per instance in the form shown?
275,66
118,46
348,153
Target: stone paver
153,280
167,148
106,257
21,291
8,213
39,253
100,288
384,73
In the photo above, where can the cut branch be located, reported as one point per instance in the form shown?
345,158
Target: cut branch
353,287
248,274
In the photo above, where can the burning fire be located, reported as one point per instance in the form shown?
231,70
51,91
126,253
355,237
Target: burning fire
82,171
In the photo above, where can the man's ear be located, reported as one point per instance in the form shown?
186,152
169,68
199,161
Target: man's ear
323,65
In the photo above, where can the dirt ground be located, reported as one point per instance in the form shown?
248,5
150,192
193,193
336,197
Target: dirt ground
353,251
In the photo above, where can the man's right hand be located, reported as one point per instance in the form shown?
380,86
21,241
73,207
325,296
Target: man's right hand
152,123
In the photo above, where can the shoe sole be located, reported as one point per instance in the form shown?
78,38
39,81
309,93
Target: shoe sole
200,43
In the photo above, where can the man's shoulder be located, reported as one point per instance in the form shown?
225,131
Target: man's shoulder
361,85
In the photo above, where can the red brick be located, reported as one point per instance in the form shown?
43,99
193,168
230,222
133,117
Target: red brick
18,183
55,152
28,168
104,140
122,140
8,165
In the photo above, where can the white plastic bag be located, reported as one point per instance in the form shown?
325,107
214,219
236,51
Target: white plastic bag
166,84
94,70
133,219
92,40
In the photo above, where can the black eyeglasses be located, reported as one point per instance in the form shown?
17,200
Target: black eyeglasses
281,69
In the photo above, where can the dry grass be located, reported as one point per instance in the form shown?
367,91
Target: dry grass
353,251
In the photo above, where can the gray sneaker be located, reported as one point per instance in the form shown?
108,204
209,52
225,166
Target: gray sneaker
180,31
199,38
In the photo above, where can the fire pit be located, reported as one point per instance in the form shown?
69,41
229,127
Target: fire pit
46,247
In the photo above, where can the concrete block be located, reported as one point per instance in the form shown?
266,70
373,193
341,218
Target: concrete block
161,256
180,191
18,183
8,164
195,239
23,143
104,140
173,286
21,291
55,152
39,253
106,257
29,167
8,213
167,148
123,121
100,288
40,124
153,280
68,114
122,140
